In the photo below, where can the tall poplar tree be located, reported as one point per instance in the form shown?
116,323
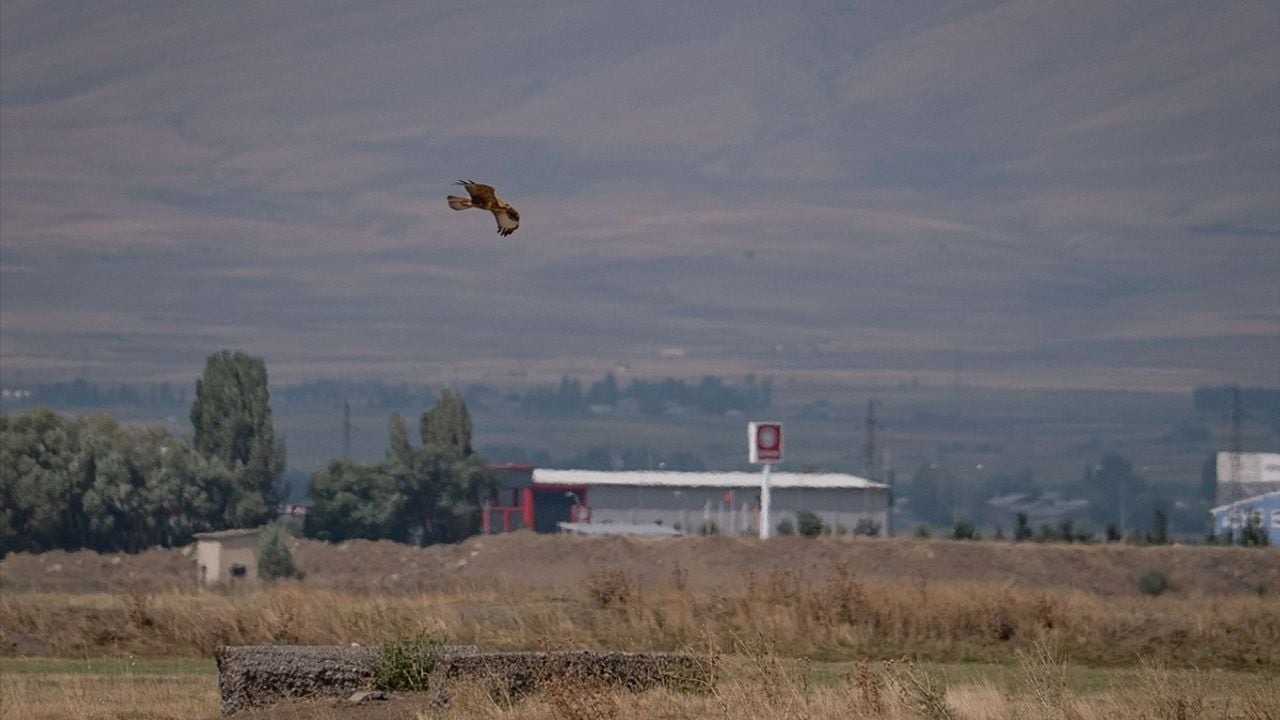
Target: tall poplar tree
450,476
231,416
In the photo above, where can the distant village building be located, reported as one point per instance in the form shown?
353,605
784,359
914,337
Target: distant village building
227,556
1230,519
725,503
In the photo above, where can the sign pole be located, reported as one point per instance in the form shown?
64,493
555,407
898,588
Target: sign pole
764,447
764,503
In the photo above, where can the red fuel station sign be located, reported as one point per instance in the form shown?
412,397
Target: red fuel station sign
764,442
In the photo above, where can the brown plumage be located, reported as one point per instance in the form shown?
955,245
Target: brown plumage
483,197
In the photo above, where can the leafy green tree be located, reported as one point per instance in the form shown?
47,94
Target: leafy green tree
355,500
1022,528
449,478
399,449
275,560
1159,534
604,392
569,399
231,416
115,499
447,426
196,492
39,495
94,483
424,494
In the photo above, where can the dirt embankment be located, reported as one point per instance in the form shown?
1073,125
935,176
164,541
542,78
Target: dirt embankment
711,563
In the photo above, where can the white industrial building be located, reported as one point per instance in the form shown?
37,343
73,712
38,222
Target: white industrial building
1229,520
1247,474
727,503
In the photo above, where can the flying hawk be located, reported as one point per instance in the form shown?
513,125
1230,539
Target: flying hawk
482,197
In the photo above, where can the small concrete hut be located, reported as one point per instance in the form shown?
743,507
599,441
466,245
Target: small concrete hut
227,556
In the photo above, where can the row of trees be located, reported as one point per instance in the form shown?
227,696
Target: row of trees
80,393
422,493
91,482
709,396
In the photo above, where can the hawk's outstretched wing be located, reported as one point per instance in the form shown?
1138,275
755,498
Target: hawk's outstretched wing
482,196
508,220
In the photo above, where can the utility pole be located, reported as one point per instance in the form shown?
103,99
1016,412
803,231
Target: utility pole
869,456
346,430
1234,492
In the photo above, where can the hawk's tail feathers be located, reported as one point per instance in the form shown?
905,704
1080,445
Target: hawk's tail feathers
459,203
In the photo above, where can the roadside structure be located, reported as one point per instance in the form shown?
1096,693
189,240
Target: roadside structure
725,503
227,556
1231,519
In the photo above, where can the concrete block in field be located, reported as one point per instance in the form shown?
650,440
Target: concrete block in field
258,675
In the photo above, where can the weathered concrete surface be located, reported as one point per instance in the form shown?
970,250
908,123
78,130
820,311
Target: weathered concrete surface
513,675
258,675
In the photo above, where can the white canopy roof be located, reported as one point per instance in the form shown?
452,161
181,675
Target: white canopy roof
663,478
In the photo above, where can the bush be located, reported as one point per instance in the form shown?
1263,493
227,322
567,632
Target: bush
1153,583
1066,530
710,527
809,523
786,527
610,587
275,561
405,664
1022,528
923,531
964,530
867,526
1253,534
1159,534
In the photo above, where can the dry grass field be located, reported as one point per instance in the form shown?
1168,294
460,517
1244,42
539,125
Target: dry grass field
836,627
753,683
